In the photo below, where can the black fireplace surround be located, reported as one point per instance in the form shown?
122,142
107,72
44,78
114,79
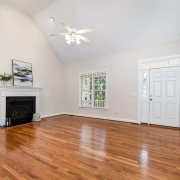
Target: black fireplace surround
20,109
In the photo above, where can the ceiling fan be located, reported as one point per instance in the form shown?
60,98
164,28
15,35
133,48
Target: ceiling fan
73,35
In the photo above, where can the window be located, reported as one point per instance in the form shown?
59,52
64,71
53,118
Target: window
161,63
93,89
86,90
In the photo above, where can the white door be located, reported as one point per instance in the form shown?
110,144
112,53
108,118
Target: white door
164,96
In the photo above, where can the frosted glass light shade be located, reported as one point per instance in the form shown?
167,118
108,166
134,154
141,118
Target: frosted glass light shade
77,38
78,42
68,42
67,37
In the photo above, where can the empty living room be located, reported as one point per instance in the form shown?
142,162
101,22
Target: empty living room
89,89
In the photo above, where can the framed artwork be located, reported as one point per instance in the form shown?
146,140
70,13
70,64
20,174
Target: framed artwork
22,73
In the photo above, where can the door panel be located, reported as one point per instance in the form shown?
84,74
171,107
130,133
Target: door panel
164,92
157,110
157,88
170,88
170,74
170,109
157,75
144,109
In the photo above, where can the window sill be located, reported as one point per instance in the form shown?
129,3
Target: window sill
100,108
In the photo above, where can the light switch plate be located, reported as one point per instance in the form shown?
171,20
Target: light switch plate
133,94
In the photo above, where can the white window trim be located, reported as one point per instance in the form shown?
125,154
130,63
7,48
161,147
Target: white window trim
92,104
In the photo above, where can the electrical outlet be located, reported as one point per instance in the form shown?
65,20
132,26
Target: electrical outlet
116,113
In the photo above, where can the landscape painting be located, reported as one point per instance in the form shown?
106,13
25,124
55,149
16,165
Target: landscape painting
22,73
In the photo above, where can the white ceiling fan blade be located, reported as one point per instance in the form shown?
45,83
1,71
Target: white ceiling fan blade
66,26
84,31
60,34
84,39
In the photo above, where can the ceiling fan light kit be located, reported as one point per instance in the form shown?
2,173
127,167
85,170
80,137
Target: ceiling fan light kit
73,35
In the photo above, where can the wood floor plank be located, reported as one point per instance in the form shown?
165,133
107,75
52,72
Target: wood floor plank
78,148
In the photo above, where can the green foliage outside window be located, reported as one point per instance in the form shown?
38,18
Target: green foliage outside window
87,84
100,87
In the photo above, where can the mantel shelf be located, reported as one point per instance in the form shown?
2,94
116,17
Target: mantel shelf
19,87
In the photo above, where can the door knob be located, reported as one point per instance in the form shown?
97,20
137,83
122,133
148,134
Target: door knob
151,99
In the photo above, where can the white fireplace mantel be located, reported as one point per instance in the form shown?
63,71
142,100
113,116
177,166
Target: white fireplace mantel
16,91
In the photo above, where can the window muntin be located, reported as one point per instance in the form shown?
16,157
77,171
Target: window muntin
93,90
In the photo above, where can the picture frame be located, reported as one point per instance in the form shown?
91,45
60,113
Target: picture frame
22,73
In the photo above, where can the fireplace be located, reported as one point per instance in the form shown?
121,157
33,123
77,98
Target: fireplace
20,109
8,94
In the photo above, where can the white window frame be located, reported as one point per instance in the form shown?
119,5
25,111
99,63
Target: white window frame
92,95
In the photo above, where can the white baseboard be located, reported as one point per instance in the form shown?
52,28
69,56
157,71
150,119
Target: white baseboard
50,115
83,115
91,116
102,117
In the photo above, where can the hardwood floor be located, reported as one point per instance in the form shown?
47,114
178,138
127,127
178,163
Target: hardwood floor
78,148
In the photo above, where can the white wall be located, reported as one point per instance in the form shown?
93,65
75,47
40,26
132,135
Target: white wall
21,39
122,80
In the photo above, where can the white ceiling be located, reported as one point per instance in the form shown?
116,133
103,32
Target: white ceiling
119,25
5,2
29,6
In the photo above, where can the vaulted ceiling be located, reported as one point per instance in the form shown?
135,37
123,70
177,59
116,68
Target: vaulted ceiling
119,25
29,6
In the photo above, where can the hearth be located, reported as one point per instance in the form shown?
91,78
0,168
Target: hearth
20,110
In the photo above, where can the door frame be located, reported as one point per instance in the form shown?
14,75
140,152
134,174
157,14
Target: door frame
146,66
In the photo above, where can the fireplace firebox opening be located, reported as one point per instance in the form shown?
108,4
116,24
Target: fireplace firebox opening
20,110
